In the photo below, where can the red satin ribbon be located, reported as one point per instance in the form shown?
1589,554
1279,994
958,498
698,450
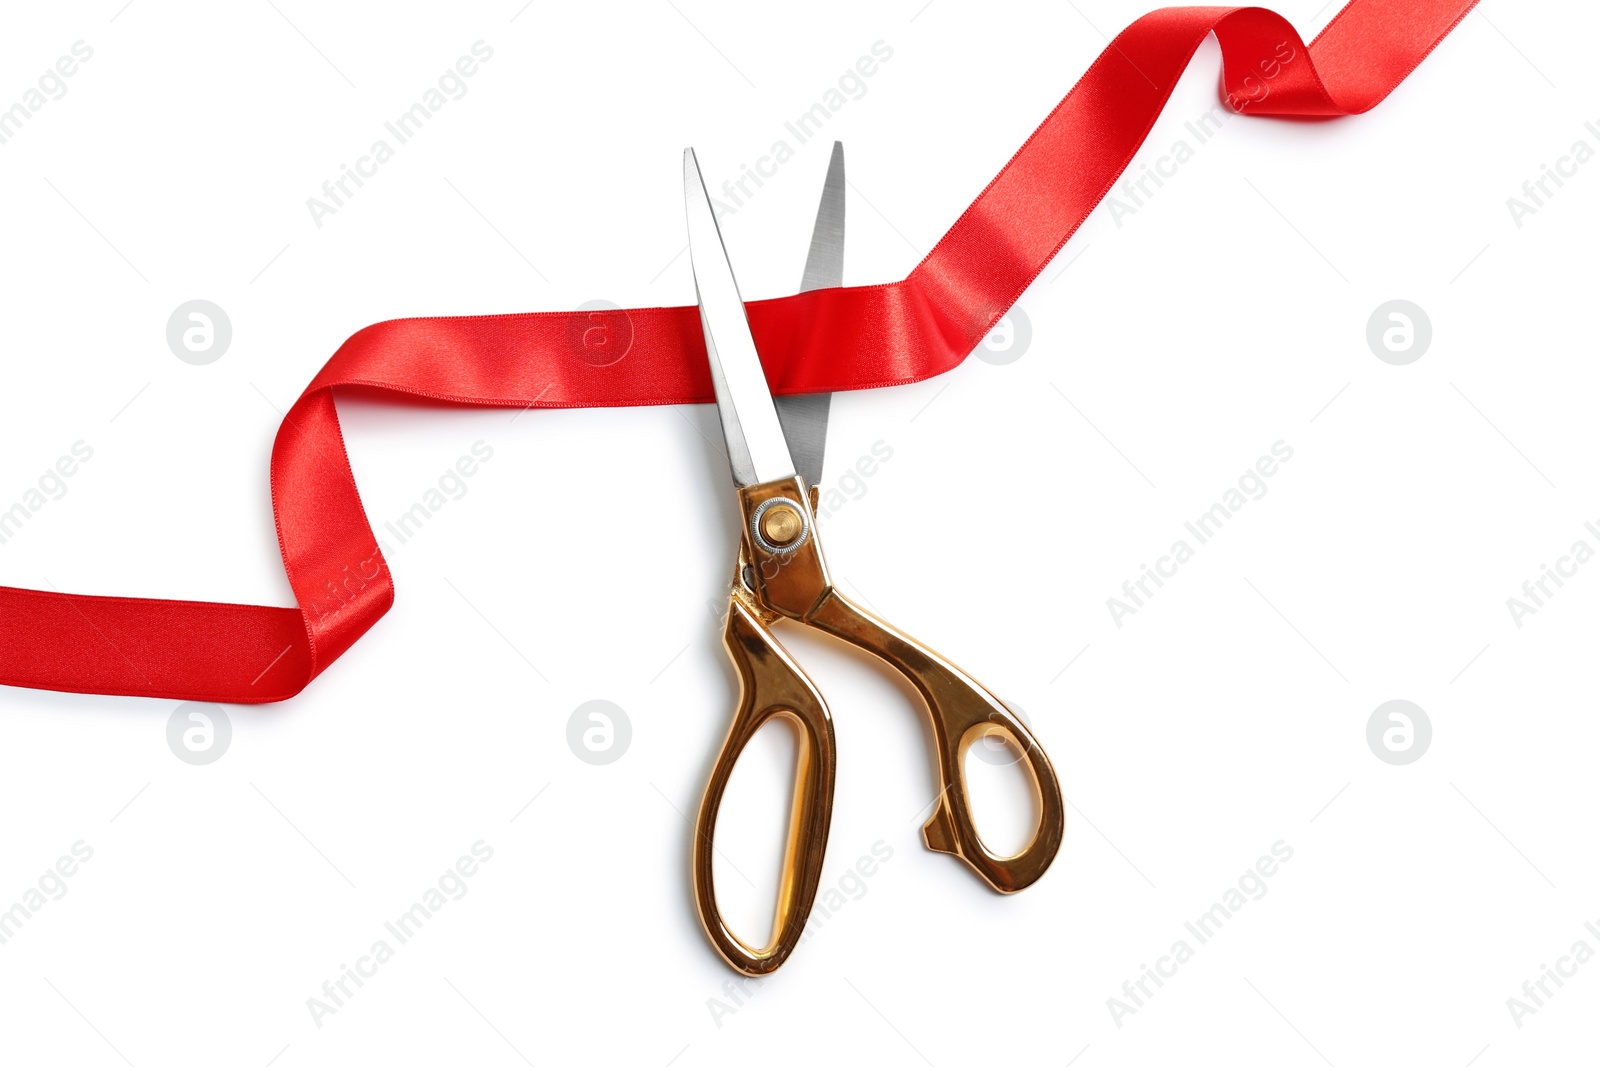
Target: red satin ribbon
832,339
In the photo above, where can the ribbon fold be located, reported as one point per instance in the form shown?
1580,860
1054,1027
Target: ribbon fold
834,339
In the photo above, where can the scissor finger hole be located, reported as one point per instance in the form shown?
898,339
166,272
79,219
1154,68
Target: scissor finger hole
1002,795
752,831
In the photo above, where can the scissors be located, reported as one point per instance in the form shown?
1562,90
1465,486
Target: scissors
775,449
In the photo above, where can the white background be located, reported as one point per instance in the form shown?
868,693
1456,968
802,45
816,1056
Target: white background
1230,713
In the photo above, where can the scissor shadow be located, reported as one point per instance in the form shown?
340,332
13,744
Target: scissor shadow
724,525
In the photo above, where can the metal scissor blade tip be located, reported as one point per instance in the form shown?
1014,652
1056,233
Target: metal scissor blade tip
694,186
825,260
757,450
805,415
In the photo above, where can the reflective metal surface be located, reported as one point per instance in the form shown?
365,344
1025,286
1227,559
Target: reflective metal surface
757,448
805,415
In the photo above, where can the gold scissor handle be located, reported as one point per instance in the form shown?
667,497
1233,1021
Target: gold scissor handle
771,686
962,712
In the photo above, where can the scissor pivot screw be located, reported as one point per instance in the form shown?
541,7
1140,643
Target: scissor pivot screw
779,526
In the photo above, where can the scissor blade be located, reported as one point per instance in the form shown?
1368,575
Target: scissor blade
805,416
757,450
825,261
